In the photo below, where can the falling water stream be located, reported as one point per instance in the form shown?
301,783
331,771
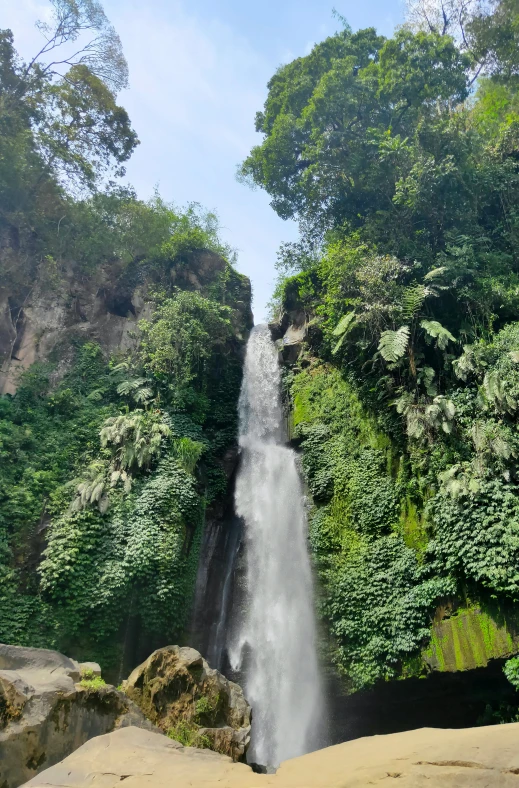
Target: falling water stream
275,644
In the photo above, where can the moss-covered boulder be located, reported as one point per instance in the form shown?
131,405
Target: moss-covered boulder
178,691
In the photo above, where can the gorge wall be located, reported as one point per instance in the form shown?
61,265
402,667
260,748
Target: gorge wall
403,661
101,536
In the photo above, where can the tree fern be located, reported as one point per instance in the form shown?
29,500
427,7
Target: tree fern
440,414
435,330
92,489
459,480
495,393
135,438
424,418
412,300
129,386
143,395
466,364
137,388
435,273
393,344
487,438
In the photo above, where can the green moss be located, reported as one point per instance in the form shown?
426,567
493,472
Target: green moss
412,526
94,683
320,394
469,639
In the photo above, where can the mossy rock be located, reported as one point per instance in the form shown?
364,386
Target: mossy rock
467,640
192,703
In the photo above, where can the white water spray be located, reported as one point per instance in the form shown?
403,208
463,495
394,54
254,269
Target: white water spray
278,634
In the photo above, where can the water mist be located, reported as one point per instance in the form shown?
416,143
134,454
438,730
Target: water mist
276,640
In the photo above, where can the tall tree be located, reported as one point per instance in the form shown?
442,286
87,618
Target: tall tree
335,122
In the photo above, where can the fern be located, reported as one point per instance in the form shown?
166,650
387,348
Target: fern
413,299
92,489
425,376
393,344
123,476
495,393
466,364
143,394
459,480
435,273
438,332
422,419
135,438
440,414
344,324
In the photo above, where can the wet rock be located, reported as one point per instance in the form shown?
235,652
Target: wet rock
178,691
45,714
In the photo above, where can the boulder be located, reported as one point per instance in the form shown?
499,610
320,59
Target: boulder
424,758
45,713
178,691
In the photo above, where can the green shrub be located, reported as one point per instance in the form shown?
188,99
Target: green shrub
188,734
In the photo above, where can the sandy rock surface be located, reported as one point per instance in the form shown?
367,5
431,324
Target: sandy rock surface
425,758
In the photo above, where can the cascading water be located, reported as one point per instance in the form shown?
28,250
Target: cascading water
277,637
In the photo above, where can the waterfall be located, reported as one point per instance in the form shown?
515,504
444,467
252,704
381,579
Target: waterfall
276,641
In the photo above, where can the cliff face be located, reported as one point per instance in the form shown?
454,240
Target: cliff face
104,306
120,388
388,613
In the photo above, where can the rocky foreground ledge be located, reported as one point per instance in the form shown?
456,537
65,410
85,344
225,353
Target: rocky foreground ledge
425,758
50,705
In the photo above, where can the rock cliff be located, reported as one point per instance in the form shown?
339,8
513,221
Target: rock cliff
105,306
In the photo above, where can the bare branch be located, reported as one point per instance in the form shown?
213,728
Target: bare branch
452,18
102,54
445,20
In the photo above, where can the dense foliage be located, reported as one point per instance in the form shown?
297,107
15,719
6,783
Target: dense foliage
400,159
107,463
109,473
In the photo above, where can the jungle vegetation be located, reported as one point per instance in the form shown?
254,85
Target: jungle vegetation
399,157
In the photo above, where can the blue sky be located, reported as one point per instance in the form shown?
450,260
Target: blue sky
198,74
